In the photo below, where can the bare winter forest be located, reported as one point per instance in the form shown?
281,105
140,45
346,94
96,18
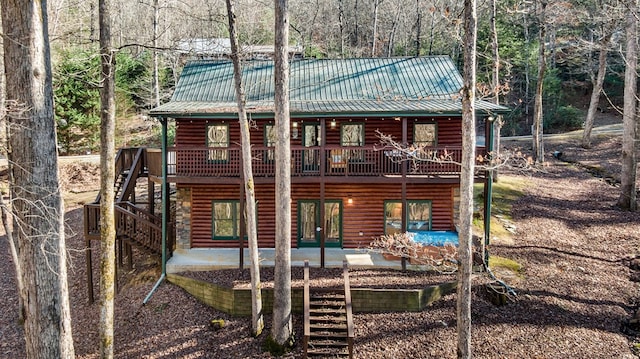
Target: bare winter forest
568,234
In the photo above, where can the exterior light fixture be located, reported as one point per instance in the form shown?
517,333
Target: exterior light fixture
350,199
294,130
333,124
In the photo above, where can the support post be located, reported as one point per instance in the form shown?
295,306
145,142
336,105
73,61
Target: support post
488,189
165,210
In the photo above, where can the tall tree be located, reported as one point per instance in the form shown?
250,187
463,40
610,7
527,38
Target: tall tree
107,178
627,199
282,328
374,27
5,210
156,35
38,211
538,128
463,312
595,93
495,82
257,323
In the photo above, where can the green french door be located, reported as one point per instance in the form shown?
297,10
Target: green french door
310,223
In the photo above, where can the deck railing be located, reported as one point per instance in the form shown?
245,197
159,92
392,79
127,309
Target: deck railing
311,161
132,223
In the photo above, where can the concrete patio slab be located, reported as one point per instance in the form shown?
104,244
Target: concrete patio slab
203,259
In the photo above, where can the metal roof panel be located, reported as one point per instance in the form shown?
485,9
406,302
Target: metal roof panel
367,85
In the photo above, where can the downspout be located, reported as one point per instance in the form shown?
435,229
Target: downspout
488,189
165,210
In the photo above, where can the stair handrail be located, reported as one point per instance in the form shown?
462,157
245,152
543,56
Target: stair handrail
348,307
121,164
136,168
306,309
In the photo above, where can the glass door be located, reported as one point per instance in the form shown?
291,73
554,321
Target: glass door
333,223
309,223
311,137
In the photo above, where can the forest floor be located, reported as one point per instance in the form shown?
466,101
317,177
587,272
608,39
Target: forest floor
574,291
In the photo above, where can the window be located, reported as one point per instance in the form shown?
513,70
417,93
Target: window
425,134
418,216
218,136
226,219
352,135
269,141
392,217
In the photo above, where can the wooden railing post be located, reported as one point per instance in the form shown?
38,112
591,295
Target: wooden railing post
306,300
348,307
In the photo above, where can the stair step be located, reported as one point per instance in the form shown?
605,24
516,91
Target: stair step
334,328
328,335
328,351
326,311
327,318
319,343
320,296
327,302
334,307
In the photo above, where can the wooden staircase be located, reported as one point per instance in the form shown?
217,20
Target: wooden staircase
328,320
135,223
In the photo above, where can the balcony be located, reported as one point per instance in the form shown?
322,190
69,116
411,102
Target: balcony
312,162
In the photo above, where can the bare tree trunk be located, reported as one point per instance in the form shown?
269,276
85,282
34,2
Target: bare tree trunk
463,312
5,214
538,130
498,121
392,33
282,328
627,199
595,94
156,77
257,323
374,36
38,209
356,31
5,211
341,23
419,28
527,68
107,178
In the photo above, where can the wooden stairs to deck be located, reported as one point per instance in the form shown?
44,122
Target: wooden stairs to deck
135,224
328,320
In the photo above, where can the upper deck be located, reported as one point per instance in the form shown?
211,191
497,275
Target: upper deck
366,164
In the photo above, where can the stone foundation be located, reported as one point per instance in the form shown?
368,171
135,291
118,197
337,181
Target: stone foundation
183,218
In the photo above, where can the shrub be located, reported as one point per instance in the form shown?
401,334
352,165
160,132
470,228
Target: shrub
564,118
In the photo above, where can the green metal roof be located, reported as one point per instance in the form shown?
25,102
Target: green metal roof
386,86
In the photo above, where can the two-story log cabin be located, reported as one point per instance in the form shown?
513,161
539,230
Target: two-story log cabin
346,186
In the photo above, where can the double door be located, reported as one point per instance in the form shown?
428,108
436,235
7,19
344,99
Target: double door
311,227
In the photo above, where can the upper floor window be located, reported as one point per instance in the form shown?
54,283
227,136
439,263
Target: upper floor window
270,141
218,136
425,134
352,135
